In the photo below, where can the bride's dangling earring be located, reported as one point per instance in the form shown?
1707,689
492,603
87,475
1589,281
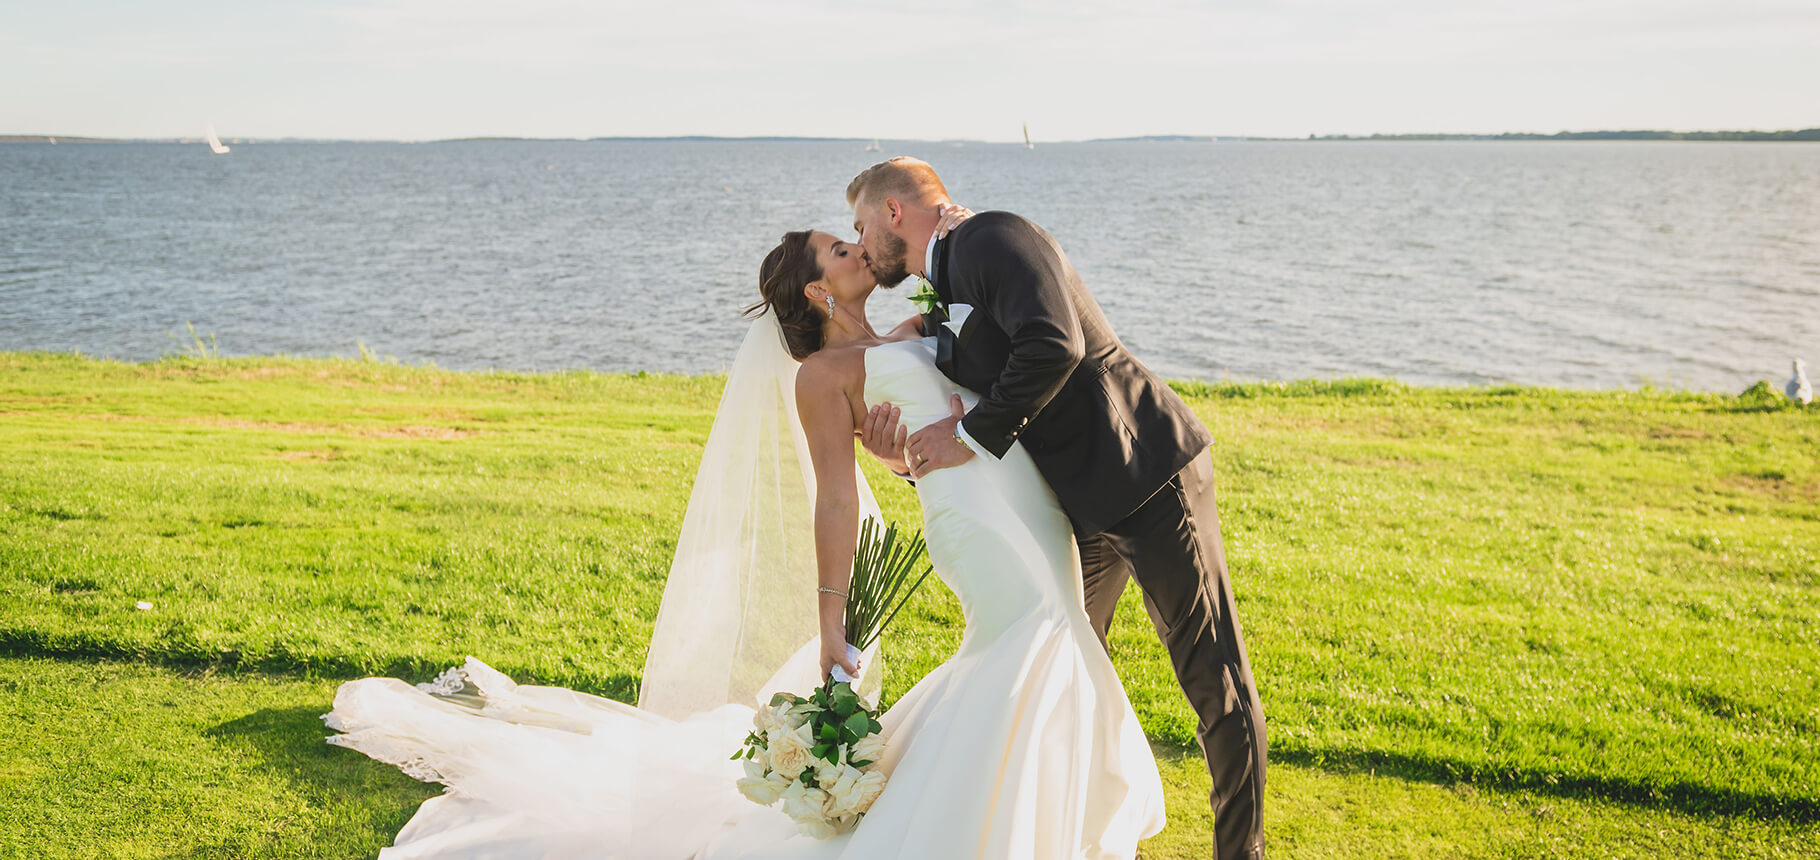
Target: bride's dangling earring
830,306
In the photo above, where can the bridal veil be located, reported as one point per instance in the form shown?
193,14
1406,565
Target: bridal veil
738,620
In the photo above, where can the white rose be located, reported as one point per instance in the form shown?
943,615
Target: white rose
789,750
870,748
844,792
761,791
791,716
826,775
808,803
765,720
814,827
755,769
871,785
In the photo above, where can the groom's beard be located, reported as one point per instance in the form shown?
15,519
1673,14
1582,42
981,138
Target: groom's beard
889,264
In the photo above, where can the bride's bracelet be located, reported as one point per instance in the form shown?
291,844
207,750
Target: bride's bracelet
835,591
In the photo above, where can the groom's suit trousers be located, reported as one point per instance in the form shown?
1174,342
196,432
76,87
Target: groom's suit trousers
1171,546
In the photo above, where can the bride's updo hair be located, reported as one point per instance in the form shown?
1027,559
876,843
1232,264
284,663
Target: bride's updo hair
781,277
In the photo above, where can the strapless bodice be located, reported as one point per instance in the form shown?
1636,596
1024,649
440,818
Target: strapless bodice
903,374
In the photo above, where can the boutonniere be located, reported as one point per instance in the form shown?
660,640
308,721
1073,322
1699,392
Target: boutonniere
925,297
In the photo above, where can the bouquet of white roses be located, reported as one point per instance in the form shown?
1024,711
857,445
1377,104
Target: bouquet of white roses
817,755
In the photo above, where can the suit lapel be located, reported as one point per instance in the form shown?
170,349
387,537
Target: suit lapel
944,337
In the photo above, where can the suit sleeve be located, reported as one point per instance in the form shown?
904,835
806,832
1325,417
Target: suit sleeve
1015,275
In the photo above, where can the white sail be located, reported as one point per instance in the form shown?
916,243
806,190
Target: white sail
873,146
1027,143
215,144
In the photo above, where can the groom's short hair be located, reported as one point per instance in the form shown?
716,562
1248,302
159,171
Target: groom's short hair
905,178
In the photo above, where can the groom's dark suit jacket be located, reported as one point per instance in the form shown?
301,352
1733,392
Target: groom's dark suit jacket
1105,432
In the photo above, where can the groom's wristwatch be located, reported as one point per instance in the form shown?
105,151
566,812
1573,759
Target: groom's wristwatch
962,440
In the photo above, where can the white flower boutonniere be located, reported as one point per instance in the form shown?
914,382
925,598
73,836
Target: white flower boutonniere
925,297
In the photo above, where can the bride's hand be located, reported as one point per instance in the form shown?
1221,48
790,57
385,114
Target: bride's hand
952,214
834,653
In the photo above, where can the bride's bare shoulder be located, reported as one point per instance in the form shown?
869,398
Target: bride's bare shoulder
836,368
831,383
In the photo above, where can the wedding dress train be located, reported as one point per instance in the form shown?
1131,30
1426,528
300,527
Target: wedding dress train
1022,745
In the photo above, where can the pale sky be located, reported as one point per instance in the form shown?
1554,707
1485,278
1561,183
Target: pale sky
931,69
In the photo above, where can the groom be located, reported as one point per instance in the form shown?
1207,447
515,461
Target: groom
1123,453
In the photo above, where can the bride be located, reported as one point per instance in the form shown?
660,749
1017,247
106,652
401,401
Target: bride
1020,745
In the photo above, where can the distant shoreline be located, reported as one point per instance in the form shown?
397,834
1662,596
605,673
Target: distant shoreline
1800,135
1806,134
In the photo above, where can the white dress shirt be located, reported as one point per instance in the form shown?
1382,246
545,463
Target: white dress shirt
959,429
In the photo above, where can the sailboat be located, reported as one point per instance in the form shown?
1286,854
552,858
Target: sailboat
873,146
1027,143
215,144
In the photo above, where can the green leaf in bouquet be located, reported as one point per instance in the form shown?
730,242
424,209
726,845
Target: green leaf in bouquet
876,728
859,724
830,732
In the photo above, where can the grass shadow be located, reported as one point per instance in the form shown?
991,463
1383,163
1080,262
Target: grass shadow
364,793
279,662
1688,798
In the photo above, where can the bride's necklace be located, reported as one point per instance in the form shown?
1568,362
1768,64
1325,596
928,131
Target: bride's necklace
863,335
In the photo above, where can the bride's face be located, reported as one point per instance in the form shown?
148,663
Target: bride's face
844,269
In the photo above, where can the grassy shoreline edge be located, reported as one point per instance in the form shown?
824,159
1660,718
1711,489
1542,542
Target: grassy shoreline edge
199,354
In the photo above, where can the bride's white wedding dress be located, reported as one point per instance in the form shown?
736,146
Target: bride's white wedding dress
1022,745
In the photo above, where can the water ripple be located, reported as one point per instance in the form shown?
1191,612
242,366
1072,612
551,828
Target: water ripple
1595,264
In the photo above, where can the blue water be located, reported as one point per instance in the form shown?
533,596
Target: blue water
1591,264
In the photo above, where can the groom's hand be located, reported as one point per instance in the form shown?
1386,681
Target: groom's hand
884,437
939,445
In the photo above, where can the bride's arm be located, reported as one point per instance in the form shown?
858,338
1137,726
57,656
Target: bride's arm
827,418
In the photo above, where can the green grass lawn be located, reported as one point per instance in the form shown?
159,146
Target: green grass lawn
1507,622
